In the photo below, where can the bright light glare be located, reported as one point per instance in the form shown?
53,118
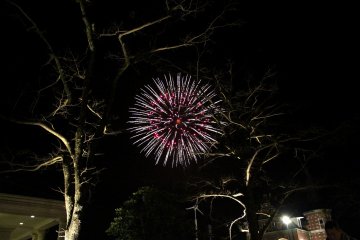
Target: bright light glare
286,220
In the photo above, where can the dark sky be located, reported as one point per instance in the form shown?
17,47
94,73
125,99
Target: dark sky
312,47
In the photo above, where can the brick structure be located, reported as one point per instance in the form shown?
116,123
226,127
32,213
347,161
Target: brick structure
309,227
316,222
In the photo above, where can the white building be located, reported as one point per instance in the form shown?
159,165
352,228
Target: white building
30,218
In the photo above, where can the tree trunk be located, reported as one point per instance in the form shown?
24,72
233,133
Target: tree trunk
72,232
251,212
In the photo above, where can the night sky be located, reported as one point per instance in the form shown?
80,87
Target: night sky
313,50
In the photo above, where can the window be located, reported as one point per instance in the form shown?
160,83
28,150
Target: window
321,222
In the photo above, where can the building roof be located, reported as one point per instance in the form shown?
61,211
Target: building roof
22,216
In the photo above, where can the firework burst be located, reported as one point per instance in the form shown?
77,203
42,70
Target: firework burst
175,119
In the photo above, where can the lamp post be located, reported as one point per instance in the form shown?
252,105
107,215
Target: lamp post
286,220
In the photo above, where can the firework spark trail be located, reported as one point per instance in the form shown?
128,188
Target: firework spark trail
175,119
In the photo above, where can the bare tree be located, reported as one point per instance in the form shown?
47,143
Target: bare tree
79,115
265,159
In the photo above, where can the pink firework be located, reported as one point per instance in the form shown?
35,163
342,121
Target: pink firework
175,120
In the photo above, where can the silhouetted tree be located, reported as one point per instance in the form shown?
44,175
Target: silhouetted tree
152,214
260,163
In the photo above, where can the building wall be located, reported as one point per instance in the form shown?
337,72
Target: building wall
316,223
302,234
312,230
316,218
24,217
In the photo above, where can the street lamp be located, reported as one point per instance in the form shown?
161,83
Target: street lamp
286,220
